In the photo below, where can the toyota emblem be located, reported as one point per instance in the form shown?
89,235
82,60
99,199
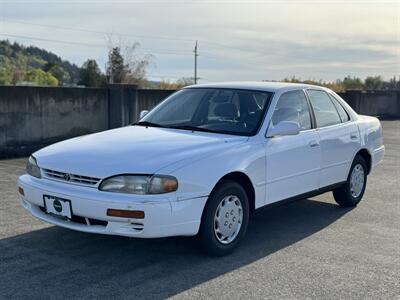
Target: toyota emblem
67,177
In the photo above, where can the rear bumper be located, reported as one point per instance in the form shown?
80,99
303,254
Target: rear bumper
377,155
164,215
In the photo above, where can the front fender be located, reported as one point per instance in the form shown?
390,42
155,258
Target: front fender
198,178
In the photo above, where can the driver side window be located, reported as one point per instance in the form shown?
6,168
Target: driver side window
292,106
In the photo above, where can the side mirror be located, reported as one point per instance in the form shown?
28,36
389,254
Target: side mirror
284,128
143,113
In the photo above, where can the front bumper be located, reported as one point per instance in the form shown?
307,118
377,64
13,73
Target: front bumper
164,215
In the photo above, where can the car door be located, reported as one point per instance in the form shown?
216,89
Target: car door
293,161
338,134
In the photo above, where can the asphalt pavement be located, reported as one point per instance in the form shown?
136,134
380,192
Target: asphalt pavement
310,249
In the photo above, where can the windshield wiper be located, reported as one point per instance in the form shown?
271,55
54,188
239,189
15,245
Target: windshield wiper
184,127
148,124
194,128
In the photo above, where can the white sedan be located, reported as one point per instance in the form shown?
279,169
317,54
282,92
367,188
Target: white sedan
203,160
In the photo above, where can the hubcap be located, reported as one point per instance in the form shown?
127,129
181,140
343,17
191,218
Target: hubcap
228,219
357,179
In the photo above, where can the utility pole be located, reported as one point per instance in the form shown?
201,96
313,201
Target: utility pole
195,63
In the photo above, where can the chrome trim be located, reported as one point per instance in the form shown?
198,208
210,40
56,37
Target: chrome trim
71,178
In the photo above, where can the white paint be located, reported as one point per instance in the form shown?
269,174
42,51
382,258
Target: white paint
278,167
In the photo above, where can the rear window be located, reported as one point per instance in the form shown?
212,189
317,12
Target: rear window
324,110
344,116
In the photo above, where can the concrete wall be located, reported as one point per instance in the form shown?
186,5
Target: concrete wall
147,99
383,104
34,117
126,103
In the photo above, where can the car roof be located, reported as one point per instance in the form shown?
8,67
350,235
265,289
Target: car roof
266,86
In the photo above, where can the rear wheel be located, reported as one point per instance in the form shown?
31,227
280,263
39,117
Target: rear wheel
225,218
351,193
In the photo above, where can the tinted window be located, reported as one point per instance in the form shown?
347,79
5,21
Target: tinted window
324,110
342,112
292,106
220,110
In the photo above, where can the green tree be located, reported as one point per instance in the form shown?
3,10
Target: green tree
57,71
6,70
40,77
116,68
373,83
15,57
90,74
352,83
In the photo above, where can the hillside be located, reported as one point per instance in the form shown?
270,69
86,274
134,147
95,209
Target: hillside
31,65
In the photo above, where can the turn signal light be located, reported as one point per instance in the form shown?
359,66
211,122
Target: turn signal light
21,191
134,214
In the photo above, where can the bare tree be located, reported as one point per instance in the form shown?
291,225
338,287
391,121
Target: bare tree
134,63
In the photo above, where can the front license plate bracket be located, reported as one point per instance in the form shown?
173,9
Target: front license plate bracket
57,206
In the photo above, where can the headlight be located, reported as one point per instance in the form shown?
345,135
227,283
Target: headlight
140,184
32,168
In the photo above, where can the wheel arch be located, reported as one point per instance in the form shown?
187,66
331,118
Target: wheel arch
366,155
244,180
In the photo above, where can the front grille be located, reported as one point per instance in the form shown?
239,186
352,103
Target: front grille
88,221
71,178
79,219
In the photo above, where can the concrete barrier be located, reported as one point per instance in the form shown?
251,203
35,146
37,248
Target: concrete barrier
383,104
34,117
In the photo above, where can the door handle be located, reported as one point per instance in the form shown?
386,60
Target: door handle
353,136
313,143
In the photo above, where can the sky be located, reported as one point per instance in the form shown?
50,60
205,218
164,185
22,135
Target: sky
237,39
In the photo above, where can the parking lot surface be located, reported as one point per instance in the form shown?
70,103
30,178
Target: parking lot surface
307,249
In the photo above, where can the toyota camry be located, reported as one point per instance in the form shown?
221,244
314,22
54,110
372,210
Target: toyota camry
203,160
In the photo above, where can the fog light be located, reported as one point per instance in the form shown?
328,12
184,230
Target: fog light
21,191
134,214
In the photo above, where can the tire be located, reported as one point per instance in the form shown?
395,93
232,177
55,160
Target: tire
223,209
351,193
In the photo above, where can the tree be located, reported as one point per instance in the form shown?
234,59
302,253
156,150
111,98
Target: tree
175,85
40,77
354,83
6,69
136,65
57,71
373,83
185,81
126,65
15,57
90,74
116,68
392,84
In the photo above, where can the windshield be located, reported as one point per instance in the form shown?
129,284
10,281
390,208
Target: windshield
228,111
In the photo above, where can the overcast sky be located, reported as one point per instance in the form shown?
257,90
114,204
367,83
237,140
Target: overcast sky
238,40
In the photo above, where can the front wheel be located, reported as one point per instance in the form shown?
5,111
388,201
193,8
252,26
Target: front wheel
225,218
351,193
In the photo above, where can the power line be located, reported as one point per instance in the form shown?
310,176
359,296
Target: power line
159,51
208,55
100,32
134,36
50,40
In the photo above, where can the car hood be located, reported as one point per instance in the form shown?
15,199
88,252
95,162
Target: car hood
132,149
